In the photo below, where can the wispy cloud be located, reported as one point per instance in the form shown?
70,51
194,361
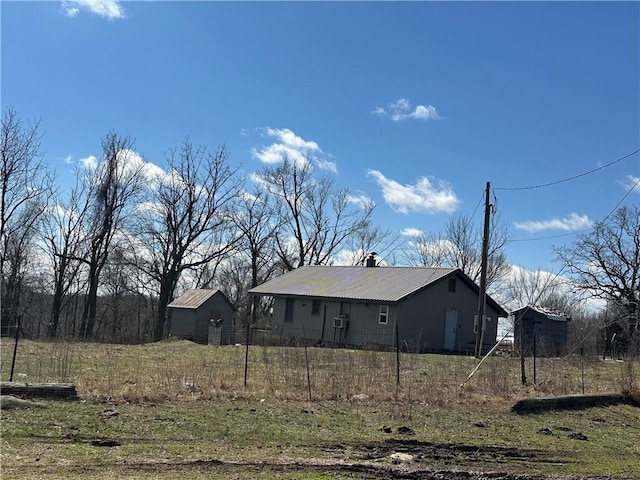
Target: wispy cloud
411,232
571,223
402,110
631,182
110,9
361,200
289,145
423,196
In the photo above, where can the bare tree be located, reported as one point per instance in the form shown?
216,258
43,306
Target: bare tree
258,223
605,263
119,292
526,287
113,188
24,188
317,219
186,226
62,234
428,250
460,246
467,252
370,239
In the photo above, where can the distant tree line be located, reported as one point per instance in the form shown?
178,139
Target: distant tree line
103,260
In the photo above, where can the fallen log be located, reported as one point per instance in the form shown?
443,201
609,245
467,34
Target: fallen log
571,402
65,391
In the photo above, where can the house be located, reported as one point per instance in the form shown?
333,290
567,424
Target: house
416,309
541,329
204,316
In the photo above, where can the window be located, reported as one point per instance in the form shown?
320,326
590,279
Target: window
384,314
452,285
315,307
288,310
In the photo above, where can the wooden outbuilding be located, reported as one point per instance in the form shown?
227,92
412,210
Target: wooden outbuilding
540,331
204,316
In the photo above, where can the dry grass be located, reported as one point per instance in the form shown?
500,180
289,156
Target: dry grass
174,410
183,371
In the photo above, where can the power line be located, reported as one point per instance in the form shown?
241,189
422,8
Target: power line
475,210
573,177
551,236
627,193
633,187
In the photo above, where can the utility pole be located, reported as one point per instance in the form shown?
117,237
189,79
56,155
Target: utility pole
483,274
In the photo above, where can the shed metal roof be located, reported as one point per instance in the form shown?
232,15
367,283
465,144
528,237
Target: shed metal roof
390,284
192,299
547,312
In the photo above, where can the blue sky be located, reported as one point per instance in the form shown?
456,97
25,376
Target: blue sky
415,105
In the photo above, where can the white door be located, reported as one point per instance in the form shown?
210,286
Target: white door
450,329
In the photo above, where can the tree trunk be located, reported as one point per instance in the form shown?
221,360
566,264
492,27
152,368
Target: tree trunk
56,308
89,311
161,318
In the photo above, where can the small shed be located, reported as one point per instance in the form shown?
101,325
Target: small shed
540,330
204,316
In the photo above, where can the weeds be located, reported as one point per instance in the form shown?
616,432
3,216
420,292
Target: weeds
180,410
184,371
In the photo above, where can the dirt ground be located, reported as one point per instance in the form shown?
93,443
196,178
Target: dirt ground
392,459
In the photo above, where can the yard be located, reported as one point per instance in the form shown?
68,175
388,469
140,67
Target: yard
175,409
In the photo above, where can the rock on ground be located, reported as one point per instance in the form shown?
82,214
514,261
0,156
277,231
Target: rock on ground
9,401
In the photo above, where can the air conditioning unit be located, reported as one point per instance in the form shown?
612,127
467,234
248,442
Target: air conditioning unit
340,322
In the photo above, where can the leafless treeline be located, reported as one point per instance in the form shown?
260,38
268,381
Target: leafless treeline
103,260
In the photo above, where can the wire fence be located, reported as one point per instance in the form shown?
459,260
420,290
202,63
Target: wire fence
182,370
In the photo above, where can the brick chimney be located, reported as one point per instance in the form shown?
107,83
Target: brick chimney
371,260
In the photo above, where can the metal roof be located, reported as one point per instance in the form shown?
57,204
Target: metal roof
547,312
192,299
390,284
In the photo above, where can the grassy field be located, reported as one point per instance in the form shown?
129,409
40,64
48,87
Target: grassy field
175,409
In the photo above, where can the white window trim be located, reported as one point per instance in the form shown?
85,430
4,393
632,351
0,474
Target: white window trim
384,314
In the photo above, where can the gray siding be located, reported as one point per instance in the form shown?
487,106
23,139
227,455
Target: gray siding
193,323
420,319
183,322
363,322
422,324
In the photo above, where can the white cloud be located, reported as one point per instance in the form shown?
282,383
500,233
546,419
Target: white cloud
298,150
425,113
411,232
361,200
132,161
326,165
571,223
90,162
631,182
401,110
110,9
423,196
